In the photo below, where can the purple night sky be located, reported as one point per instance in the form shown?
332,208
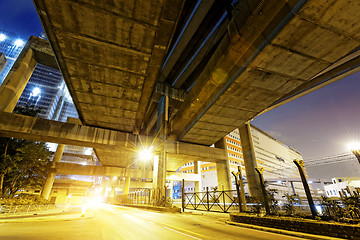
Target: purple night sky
318,124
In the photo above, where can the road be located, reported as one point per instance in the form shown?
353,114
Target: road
115,222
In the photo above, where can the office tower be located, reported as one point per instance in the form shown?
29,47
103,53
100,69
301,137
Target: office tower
11,46
3,62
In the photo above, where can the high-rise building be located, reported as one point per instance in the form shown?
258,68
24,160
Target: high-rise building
11,46
46,90
3,62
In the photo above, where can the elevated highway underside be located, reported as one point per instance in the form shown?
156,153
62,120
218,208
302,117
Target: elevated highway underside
112,54
231,60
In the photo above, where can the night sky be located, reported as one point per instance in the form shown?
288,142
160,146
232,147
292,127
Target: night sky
318,124
20,17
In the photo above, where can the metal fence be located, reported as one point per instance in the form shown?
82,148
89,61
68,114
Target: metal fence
154,197
14,209
216,201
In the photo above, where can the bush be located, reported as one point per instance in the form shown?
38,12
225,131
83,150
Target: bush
289,205
24,199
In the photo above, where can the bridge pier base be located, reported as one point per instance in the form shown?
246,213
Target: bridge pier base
250,161
197,170
223,168
45,193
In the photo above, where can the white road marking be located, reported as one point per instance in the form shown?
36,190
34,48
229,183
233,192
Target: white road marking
183,233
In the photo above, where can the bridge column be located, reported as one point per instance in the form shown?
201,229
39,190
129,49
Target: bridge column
57,158
16,80
159,171
171,185
127,185
250,160
223,168
159,179
51,176
197,170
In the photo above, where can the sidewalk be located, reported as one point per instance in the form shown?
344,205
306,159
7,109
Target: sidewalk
284,232
64,214
224,217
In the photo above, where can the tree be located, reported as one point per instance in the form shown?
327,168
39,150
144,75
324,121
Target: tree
22,162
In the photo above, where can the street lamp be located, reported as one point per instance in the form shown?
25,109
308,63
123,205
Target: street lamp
19,42
2,37
146,154
354,147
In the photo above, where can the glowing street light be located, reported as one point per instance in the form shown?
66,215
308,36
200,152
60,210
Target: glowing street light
354,147
146,154
2,37
19,42
36,91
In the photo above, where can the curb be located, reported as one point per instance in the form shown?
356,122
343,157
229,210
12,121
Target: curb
160,209
284,232
19,215
47,218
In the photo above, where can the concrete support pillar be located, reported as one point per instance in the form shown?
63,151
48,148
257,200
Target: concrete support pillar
250,160
197,170
127,185
155,171
15,82
159,179
161,171
51,176
171,191
223,168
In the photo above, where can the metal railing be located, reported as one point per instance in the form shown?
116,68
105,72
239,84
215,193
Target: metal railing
16,209
216,201
153,197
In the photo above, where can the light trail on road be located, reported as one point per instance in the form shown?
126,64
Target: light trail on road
116,223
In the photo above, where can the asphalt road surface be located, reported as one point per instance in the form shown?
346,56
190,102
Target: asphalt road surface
115,222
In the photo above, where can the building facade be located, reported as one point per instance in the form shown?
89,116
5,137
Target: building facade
273,156
46,90
11,46
3,62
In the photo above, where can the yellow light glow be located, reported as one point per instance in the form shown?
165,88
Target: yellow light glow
146,154
353,146
94,202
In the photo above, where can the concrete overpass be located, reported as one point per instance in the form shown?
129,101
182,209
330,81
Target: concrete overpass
190,71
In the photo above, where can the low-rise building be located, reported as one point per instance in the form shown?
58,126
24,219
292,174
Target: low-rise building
272,155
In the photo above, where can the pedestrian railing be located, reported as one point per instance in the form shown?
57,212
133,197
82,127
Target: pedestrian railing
153,197
16,209
216,201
